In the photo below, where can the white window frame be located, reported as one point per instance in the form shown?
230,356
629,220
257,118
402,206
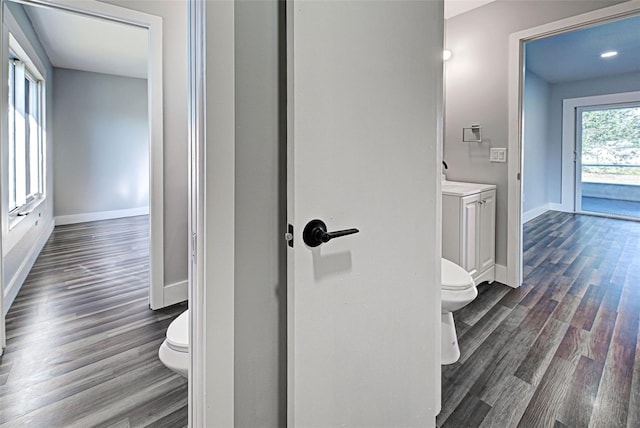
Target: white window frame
569,155
34,72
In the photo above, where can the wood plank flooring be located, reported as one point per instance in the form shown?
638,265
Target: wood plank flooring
82,343
562,350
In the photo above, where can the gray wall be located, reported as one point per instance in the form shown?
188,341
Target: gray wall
535,142
260,272
627,82
176,144
32,229
476,88
101,159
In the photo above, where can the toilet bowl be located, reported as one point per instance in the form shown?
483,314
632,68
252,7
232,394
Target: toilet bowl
174,351
458,290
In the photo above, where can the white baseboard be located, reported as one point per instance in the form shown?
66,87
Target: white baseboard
501,274
16,282
535,212
176,293
101,215
561,208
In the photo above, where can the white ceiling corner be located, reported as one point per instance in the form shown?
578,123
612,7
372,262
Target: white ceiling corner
457,7
84,43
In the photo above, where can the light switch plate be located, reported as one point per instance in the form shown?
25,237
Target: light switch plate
498,155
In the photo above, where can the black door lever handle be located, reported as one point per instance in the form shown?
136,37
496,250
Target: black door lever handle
315,233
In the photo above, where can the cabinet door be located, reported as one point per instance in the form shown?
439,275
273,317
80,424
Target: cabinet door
487,230
469,233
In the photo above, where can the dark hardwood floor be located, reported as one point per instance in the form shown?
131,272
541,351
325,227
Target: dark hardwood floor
82,343
562,350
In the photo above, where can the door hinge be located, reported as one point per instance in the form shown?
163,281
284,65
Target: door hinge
194,247
289,235
518,177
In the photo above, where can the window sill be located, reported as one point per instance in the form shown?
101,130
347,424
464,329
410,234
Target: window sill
19,214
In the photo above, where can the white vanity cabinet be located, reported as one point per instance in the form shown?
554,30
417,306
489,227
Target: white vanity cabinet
469,227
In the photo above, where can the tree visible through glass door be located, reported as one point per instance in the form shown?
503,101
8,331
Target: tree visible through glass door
608,160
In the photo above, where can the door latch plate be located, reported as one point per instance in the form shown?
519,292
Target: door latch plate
289,235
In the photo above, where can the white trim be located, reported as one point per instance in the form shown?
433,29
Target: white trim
501,274
17,229
212,211
577,164
535,212
559,207
25,51
155,110
489,275
176,292
197,314
100,215
569,106
514,168
12,289
515,83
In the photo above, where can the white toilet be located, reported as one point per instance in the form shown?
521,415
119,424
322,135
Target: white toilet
174,351
458,290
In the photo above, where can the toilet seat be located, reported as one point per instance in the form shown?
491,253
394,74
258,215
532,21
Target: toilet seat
454,277
178,333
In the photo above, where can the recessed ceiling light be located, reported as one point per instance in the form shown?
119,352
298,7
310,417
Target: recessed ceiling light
608,54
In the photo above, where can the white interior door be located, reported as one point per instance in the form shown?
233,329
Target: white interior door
364,108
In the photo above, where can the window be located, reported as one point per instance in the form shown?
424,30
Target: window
26,139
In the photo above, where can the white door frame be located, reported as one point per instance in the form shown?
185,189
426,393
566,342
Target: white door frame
153,24
516,91
577,158
212,214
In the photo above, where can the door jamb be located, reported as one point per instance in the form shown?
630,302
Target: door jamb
211,102
516,90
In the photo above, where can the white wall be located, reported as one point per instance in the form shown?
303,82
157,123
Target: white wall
628,82
101,159
260,271
174,18
476,88
23,242
535,142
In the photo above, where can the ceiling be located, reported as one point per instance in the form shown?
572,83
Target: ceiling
576,55
91,44
84,43
456,7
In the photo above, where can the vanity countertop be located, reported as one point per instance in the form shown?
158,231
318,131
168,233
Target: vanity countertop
459,188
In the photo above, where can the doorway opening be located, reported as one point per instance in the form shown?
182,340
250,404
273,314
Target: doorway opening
41,212
561,195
